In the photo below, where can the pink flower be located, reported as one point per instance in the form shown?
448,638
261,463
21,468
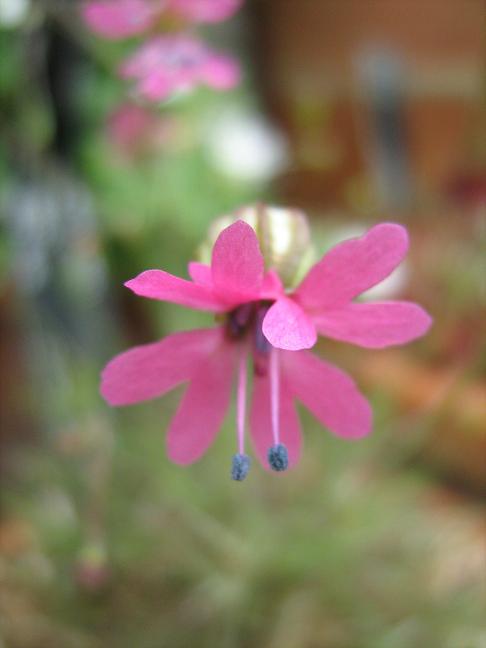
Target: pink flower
237,286
166,64
205,11
135,130
118,19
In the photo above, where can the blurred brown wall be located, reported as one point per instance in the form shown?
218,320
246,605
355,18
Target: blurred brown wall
310,57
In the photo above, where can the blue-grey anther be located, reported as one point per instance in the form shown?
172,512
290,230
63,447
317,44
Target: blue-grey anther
278,457
240,466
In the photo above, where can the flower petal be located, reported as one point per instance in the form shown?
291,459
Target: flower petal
165,64
151,370
209,11
286,326
261,424
352,267
117,20
157,284
375,325
220,72
237,264
157,85
272,286
203,407
329,393
200,273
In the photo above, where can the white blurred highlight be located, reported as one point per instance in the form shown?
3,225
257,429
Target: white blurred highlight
13,12
244,146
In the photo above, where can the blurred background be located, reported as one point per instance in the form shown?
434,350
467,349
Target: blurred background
355,111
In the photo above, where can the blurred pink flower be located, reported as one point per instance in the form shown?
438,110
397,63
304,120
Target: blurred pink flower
205,11
323,304
168,64
135,130
118,19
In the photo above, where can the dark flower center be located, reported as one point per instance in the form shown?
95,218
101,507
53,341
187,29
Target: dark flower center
247,320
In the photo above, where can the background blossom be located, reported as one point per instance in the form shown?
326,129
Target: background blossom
119,19
170,59
168,64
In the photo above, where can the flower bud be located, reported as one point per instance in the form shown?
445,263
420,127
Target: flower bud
283,234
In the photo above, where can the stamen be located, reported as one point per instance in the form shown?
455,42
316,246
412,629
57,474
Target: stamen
275,395
278,457
240,466
241,401
241,462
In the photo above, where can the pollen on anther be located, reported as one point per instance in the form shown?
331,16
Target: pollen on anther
240,466
278,457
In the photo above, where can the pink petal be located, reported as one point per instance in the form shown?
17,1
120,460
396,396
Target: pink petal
237,264
130,128
272,287
151,370
375,325
116,19
352,267
209,11
157,284
200,273
329,393
203,407
169,63
157,86
286,326
261,426
168,55
220,72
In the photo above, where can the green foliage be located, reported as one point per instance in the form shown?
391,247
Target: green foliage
338,553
